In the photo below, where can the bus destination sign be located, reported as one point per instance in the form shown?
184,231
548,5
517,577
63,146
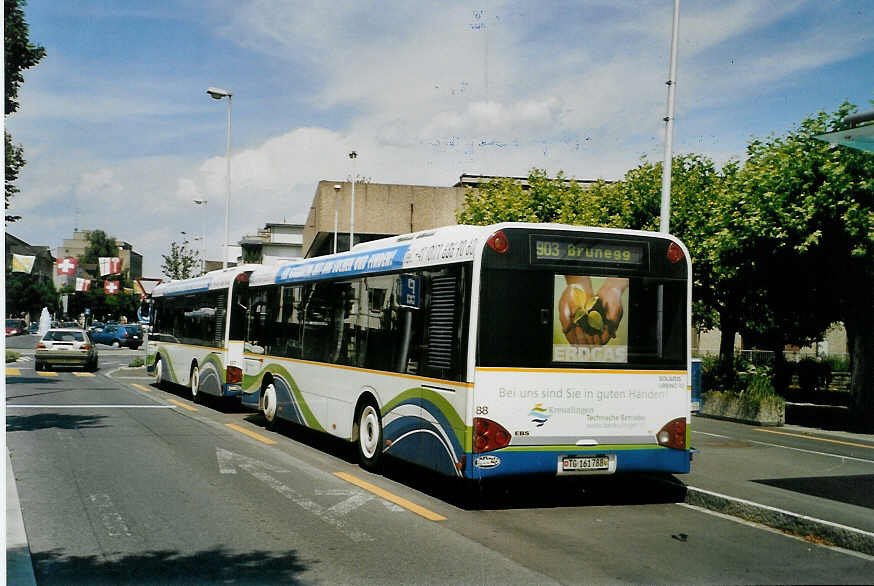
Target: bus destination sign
569,250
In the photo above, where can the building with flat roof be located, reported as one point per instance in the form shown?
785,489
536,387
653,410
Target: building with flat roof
383,210
276,242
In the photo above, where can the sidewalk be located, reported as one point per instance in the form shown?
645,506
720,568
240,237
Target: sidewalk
19,568
803,489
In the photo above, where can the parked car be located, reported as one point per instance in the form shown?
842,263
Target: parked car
65,347
16,327
119,335
33,328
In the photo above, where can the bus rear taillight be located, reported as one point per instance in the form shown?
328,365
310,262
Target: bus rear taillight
673,434
675,253
488,435
234,375
498,242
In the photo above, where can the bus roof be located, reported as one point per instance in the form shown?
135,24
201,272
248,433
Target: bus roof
451,244
218,279
439,246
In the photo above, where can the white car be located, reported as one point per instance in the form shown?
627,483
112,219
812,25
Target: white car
66,347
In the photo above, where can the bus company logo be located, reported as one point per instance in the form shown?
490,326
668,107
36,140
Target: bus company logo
539,415
487,461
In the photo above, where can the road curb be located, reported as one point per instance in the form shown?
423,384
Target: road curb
813,529
19,565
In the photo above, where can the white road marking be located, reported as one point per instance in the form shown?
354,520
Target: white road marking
110,518
356,499
741,521
229,461
814,452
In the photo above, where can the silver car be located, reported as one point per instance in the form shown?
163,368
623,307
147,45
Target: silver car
66,347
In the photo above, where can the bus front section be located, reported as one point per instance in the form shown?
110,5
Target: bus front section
582,353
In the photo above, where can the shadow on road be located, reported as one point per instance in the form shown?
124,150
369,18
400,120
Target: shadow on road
855,490
535,492
213,566
506,493
52,421
34,379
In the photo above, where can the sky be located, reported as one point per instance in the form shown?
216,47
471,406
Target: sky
120,135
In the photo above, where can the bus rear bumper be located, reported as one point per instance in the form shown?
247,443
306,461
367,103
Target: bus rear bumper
511,463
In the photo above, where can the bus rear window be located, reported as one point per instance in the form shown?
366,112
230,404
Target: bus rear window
535,318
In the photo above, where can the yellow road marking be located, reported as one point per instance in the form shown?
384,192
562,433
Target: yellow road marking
83,374
13,372
183,405
141,387
821,439
251,434
47,373
400,501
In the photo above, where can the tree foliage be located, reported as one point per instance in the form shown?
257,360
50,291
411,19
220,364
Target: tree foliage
99,244
27,293
181,262
20,54
810,206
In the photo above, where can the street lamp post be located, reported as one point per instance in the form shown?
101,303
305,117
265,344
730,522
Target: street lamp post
665,212
353,155
202,202
337,188
218,94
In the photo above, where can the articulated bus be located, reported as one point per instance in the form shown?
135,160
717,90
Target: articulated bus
475,351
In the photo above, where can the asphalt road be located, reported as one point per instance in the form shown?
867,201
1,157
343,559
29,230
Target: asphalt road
120,482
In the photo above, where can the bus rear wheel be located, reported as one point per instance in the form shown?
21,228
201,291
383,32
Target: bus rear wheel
370,437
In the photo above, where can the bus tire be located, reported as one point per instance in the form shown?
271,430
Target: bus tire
195,383
159,372
269,406
369,425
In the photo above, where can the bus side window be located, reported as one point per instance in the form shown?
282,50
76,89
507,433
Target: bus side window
317,322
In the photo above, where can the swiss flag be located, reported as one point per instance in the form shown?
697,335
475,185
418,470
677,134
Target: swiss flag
110,287
109,265
66,266
83,284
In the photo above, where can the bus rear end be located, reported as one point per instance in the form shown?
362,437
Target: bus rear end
582,353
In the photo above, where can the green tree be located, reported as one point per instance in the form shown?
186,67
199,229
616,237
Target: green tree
99,244
101,305
810,207
26,293
19,54
181,262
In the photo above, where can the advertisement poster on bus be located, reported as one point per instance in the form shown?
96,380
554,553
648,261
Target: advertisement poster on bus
590,319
